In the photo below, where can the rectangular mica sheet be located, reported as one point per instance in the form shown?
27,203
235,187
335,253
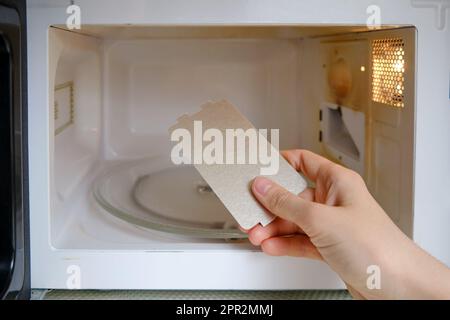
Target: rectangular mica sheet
232,182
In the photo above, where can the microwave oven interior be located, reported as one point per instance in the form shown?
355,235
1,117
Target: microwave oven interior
345,92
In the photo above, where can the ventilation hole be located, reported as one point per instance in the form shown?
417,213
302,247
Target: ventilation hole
388,68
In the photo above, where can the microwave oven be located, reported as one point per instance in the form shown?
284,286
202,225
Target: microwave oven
106,208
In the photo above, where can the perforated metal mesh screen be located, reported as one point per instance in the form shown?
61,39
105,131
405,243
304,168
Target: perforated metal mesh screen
388,68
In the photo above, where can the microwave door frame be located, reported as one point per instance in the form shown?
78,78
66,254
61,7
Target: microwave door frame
14,226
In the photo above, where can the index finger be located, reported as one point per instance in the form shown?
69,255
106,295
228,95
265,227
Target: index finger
306,162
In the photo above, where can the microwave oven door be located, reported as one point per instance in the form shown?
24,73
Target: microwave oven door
14,253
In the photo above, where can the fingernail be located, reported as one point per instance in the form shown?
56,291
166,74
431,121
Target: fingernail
262,185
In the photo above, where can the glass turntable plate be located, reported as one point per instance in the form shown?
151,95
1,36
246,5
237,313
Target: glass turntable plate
155,194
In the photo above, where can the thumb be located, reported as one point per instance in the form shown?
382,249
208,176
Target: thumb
283,203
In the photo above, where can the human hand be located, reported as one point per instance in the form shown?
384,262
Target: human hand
340,223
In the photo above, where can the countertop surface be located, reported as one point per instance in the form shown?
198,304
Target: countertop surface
188,295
